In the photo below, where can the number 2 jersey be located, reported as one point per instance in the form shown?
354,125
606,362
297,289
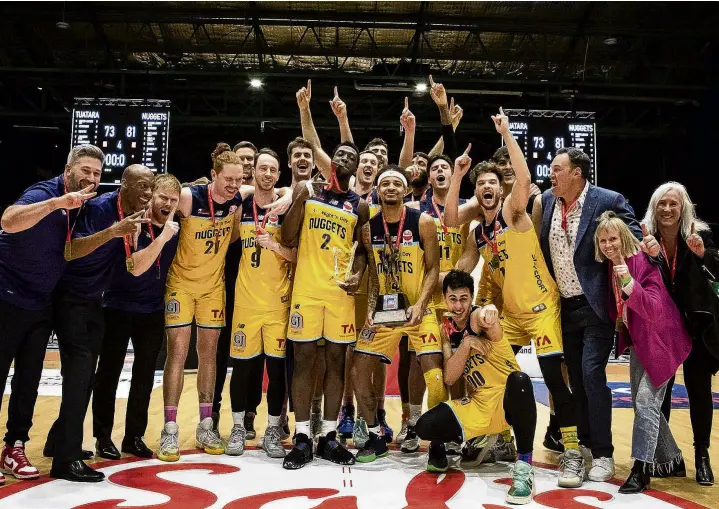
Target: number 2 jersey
199,264
265,278
326,241
517,275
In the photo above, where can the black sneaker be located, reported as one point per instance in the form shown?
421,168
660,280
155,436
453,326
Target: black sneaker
553,440
375,447
250,425
437,458
330,449
300,455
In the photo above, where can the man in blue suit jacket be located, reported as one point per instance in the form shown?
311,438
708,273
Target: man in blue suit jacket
568,213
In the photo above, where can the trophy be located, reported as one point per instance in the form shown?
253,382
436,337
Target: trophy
337,252
391,307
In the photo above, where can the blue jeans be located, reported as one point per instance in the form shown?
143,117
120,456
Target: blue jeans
588,341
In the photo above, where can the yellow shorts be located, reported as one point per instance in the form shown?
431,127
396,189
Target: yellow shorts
208,309
440,317
545,328
383,342
312,319
257,332
481,414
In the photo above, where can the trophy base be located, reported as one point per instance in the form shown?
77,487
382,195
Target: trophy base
395,318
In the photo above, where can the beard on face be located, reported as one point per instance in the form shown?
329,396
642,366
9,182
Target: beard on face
421,180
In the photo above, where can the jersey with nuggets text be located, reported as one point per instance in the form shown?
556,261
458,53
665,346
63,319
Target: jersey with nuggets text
264,279
326,240
516,266
410,266
489,370
199,263
372,199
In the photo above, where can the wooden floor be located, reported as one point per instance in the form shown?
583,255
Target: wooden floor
47,408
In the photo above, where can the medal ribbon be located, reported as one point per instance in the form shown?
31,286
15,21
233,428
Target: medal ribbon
673,266
125,238
493,243
440,216
333,182
388,240
565,211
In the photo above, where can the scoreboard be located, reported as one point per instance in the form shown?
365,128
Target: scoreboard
128,131
540,133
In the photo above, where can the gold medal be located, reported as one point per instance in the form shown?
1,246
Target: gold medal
619,326
68,250
130,264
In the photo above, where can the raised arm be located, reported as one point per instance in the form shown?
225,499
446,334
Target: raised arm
339,108
409,124
451,207
27,212
322,160
515,206
439,96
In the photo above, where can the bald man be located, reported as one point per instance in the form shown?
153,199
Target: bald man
102,235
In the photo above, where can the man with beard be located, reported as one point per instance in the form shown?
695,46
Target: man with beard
133,308
94,252
259,327
246,151
34,232
328,222
515,278
418,177
404,259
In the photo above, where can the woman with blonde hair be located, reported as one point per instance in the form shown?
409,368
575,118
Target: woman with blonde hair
649,324
689,261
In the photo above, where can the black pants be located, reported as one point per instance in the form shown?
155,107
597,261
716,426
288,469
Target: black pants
698,370
146,331
588,341
441,424
23,338
79,324
241,383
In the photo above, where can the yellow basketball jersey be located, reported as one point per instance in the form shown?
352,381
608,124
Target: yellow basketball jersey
199,263
518,268
326,240
410,266
265,277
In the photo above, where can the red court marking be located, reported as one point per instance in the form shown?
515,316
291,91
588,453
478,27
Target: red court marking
257,501
425,492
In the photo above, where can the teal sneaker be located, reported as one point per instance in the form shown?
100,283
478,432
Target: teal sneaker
522,489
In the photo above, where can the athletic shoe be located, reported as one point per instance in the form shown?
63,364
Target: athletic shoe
216,421
504,451
15,463
347,422
602,469
477,451
402,432
236,441
2,479
553,440
330,449
411,441
386,430
360,434
169,442
453,448
250,425
436,458
376,447
522,489
272,442
208,439
571,469
301,453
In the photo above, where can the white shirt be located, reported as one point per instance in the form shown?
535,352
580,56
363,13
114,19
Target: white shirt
562,245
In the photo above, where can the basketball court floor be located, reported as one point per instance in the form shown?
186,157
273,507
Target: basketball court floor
201,481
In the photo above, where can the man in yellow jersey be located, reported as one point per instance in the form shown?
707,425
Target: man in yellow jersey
195,289
262,301
515,278
404,259
474,349
328,220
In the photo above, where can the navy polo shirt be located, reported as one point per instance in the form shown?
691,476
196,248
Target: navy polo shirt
32,261
144,293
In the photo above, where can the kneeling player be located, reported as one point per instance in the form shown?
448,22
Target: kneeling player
501,393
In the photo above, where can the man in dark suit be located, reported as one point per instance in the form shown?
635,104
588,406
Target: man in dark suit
565,218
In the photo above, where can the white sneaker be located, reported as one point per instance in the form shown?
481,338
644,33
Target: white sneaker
207,438
236,441
169,443
402,433
602,469
571,469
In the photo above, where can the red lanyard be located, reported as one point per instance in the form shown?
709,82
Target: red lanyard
333,182
439,215
449,327
494,242
125,238
211,205
258,226
399,230
152,237
673,267
565,211
618,297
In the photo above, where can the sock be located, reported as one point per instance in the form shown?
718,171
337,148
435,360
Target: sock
507,436
569,437
205,410
238,419
376,430
405,410
273,420
170,414
553,424
303,427
415,411
436,390
527,458
328,427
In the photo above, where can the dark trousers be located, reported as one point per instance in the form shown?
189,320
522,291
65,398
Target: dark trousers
146,331
588,342
23,338
79,324
698,370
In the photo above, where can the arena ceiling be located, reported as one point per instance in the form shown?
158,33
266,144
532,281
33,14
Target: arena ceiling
635,63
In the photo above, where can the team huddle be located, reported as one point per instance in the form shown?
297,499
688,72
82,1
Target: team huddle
348,265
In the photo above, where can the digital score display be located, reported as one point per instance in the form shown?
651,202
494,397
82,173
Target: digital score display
541,133
128,131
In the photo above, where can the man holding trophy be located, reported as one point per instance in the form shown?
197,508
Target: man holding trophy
403,267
